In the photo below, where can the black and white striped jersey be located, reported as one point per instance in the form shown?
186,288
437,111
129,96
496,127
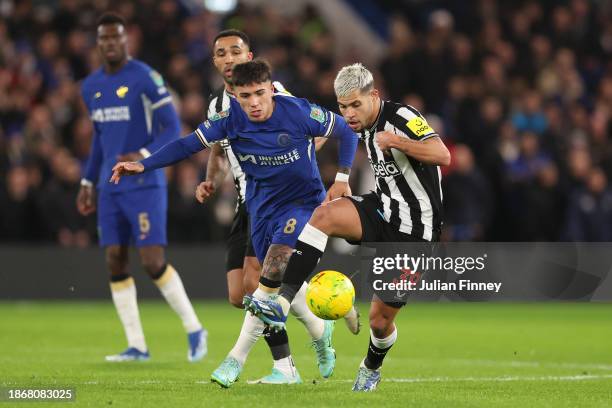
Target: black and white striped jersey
220,102
410,191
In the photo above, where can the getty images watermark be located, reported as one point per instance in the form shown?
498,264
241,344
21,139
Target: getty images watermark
486,271
411,273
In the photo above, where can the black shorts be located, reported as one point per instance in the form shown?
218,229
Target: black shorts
376,230
239,240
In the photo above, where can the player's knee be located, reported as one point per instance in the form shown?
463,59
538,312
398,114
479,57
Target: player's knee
322,219
235,299
153,265
381,325
116,261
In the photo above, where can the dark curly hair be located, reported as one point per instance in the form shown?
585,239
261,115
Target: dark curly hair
252,72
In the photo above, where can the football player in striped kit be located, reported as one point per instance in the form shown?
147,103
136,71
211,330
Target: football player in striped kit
405,154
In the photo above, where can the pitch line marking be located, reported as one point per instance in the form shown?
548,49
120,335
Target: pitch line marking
494,379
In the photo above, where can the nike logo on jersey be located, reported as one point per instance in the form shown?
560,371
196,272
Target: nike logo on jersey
111,114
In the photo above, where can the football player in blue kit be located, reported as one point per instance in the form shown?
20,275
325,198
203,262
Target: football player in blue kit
243,271
132,114
272,137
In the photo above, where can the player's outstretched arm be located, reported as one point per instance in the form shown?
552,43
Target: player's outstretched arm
125,169
171,153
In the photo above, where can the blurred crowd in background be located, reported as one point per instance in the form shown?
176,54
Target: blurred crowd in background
520,91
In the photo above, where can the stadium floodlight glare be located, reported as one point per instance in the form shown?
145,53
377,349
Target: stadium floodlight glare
220,6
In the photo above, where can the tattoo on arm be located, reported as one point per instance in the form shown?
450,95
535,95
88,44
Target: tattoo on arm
276,261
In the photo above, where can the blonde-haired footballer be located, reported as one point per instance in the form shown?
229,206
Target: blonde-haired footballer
405,153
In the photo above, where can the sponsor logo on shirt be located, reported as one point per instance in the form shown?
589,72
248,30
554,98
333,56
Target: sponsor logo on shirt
278,160
111,114
385,169
419,127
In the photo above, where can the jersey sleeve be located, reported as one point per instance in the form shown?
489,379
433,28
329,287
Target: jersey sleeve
411,123
321,122
213,129
94,161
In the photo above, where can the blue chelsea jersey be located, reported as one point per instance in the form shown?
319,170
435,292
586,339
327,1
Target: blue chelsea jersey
122,107
277,155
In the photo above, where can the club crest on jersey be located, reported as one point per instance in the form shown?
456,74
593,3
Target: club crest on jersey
317,113
121,91
283,139
385,169
419,127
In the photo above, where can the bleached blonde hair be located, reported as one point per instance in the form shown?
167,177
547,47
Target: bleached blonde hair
353,77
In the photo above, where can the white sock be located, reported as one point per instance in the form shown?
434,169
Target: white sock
300,310
171,287
252,329
286,366
386,342
124,298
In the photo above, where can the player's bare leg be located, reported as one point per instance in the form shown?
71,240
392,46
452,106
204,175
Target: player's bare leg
273,267
337,218
320,331
235,287
123,292
252,272
252,328
383,335
170,285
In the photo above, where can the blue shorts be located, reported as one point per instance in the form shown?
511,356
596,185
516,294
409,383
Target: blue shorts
134,217
284,228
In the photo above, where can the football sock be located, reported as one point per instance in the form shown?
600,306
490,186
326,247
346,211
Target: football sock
123,292
171,287
300,310
307,253
378,349
278,342
285,366
252,328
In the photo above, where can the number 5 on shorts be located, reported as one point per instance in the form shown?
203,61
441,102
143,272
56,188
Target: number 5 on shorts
144,223
290,226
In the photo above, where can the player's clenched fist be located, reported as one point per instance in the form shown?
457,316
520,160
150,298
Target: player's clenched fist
204,191
125,169
386,140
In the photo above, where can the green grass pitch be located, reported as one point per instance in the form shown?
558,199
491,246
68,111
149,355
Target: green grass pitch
448,355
